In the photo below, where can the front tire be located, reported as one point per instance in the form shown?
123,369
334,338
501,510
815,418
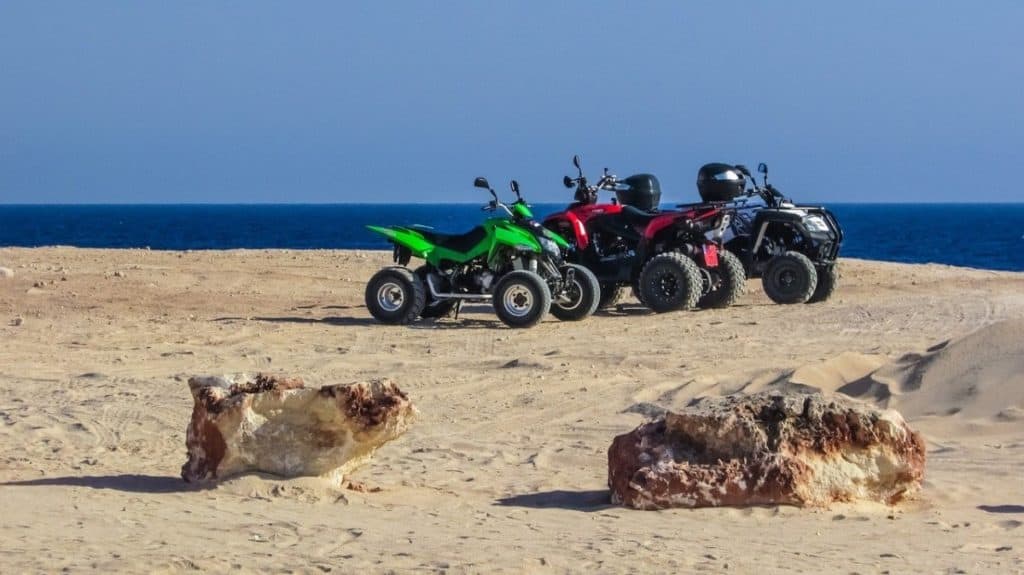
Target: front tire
670,282
729,282
790,278
395,295
521,299
828,277
580,299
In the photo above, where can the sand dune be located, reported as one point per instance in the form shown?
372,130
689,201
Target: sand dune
979,376
505,469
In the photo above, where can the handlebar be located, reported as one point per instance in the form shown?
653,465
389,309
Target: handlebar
607,181
768,193
493,205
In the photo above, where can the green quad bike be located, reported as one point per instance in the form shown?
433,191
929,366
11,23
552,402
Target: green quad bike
511,261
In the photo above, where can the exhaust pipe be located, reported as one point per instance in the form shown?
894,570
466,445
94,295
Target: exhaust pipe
438,295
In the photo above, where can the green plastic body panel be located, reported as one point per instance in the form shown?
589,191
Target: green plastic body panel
562,242
417,244
507,234
501,233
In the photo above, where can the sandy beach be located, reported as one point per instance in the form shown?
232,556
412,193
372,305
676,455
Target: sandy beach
505,469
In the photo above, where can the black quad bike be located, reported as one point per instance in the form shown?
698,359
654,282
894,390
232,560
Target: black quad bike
792,248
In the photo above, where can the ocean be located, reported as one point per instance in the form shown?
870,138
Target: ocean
974,235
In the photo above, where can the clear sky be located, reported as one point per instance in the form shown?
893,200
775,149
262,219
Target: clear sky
255,101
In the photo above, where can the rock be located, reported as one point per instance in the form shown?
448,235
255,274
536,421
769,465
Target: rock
767,448
6,272
276,425
17,321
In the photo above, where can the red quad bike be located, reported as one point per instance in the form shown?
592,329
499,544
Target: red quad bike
673,260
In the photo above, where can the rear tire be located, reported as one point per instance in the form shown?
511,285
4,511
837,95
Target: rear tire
521,299
433,308
670,282
731,280
394,295
828,277
581,297
611,294
790,278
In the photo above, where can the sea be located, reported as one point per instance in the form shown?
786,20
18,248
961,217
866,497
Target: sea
989,236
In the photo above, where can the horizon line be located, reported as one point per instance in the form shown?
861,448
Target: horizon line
170,204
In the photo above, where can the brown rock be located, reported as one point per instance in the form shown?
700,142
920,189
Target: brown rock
767,448
276,425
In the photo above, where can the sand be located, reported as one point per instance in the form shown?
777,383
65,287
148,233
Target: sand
505,470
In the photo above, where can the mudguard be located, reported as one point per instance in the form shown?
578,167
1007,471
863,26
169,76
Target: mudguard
562,243
568,220
421,247
410,238
508,234
501,233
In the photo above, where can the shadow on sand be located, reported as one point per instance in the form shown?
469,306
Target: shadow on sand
129,483
324,320
1002,508
586,501
461,322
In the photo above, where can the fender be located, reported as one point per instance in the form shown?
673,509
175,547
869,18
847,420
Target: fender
407,237
672,218
578,229
581,215
507,235
659,223
588,211
557,238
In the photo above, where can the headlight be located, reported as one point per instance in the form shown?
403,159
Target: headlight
550,247
816,224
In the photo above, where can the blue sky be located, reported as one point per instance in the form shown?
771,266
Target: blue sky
169,102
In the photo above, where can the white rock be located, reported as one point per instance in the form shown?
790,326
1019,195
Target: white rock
277,425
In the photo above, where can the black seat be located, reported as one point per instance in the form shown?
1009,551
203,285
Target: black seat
455,242
637,217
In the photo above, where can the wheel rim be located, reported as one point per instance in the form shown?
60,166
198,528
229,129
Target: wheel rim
390,296
572,296
787,280
517,301
667,284
708,281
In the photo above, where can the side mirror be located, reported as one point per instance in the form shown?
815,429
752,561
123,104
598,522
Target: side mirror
762,168
515,188
567,182
576,161
743,170
481,182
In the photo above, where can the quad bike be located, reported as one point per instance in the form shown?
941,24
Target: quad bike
793,249
511,261
673,260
